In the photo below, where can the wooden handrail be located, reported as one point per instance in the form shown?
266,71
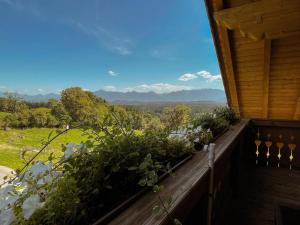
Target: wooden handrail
188,185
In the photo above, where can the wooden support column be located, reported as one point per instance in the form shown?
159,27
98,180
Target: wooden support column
267,57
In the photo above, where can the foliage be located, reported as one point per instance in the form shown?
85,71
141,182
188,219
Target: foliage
152,123
209,121
174,117
83,106
60,113
201,136
91,178
227,114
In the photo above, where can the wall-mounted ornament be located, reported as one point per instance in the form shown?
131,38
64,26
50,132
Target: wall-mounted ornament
279,145
257,143
268,144
292,147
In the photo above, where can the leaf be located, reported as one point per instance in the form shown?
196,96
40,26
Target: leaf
157,188
132,168
156,210
115,168
50,134
50,158
143,182
177,222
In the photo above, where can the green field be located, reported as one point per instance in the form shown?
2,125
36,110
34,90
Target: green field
13,141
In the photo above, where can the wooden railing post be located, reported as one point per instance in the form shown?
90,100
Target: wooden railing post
211,161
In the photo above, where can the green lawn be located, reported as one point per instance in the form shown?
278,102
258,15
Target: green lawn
13,141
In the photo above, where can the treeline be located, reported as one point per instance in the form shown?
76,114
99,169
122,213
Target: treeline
75,105
84,107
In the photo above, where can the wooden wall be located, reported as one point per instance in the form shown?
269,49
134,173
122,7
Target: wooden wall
261,77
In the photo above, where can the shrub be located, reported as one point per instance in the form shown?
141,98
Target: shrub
95,176
227,114
209,121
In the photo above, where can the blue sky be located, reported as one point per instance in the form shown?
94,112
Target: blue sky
120,45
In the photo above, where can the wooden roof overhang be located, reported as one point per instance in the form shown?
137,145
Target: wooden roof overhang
258,48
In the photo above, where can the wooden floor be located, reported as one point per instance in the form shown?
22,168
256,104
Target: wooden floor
260,189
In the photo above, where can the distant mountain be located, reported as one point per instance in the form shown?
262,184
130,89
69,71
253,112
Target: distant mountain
214,95
35,98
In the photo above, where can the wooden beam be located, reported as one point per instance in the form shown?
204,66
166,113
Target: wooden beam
228,64
269,19
222,45
267,58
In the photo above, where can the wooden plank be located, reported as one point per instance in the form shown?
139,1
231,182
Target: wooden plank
267,57
260,190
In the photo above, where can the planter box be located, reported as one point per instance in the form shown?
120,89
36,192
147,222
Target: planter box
121,207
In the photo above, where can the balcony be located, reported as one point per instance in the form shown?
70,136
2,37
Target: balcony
241,191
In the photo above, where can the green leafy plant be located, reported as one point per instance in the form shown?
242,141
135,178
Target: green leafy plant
227,114
93,177
210,121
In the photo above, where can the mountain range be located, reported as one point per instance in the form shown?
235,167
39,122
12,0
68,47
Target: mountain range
214,95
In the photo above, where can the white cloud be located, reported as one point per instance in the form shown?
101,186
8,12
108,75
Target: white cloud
40,90
112,73
187,77
207,75
109,88
204,74
158,88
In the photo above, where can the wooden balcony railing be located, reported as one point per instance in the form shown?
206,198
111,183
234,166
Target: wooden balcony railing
189,187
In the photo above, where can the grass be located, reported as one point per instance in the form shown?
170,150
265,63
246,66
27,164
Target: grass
12,142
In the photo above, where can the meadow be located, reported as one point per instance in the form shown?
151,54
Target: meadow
14,141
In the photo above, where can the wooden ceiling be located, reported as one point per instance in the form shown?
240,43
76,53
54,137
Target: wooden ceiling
258,48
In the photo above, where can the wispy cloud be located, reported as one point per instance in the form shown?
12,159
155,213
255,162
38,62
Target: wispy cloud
111,41
112,73
26,6
109,88
204,74
207,75
165,53
187,77
40,90
158,88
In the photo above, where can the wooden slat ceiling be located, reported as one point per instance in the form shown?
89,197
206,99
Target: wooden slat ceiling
258,47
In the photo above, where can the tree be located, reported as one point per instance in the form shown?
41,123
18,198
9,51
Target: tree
174,117
152,123
39,117
60,113
83,106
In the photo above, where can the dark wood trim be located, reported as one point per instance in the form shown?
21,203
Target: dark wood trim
276,123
